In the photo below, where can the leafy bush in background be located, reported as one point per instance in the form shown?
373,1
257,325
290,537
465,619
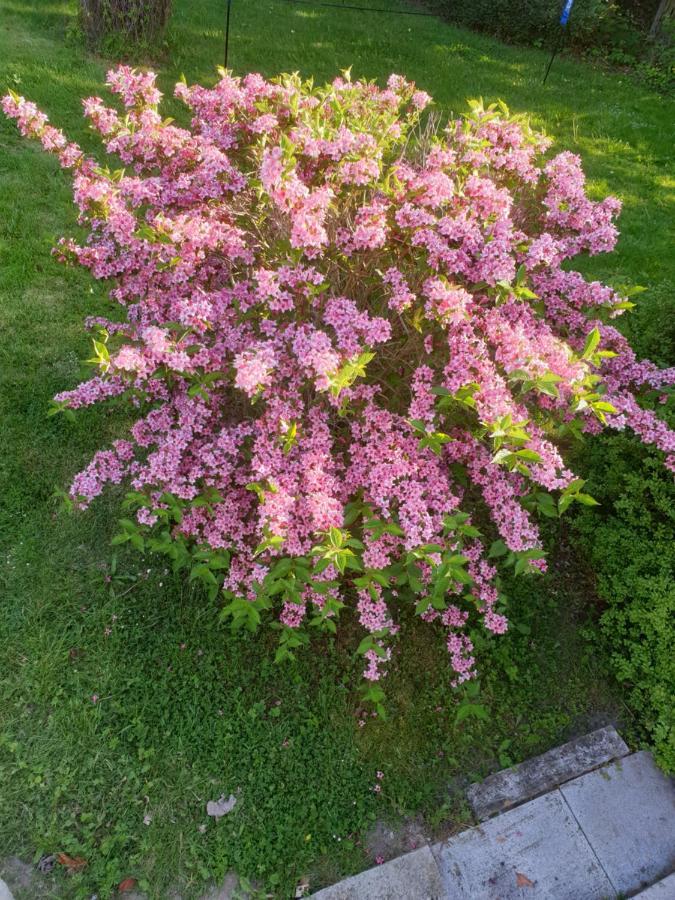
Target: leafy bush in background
121,24
335,320
615,31
629,543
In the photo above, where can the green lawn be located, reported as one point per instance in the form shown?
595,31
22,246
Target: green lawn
184,711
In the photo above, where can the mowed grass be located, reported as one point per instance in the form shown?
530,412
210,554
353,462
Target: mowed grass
124,705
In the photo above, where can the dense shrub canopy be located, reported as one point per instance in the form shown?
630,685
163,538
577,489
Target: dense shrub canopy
351,341
592,23
629,543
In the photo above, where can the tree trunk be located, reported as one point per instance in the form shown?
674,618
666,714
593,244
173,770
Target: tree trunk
666,8
132,20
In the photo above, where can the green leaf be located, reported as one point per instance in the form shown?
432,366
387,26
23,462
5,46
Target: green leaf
592,342
335,536
475,710
289,438
204,573
347,374
527,293
586,499
418,425
352,512
498,548
563,504
275,540
501,456
574,487
461,575
458,560
546,505
365,645
422,606
529,455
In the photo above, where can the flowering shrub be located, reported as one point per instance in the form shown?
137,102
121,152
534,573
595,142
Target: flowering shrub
350,343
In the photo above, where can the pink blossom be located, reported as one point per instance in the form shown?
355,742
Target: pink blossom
254,368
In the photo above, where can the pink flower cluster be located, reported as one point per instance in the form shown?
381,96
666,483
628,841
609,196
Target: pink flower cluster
347,344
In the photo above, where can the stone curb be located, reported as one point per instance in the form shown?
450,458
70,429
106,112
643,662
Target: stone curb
537,776
414,876
662,890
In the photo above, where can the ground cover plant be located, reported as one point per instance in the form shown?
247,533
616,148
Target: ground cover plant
630,546
75,773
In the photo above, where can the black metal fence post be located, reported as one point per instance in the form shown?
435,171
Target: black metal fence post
227,29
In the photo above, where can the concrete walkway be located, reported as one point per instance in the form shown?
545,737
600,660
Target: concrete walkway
587,821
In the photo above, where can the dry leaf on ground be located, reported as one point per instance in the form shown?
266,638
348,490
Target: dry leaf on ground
71,863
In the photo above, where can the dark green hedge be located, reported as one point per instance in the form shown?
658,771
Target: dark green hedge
629,542
592,23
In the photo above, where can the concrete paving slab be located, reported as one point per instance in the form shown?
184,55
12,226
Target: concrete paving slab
540,774
25,881
5,893
627,812
662,890
414,876
534,851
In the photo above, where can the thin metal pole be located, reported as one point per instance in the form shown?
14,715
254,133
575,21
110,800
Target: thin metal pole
564,19
227,29
553,55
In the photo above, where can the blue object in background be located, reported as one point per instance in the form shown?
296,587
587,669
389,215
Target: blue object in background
564,18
